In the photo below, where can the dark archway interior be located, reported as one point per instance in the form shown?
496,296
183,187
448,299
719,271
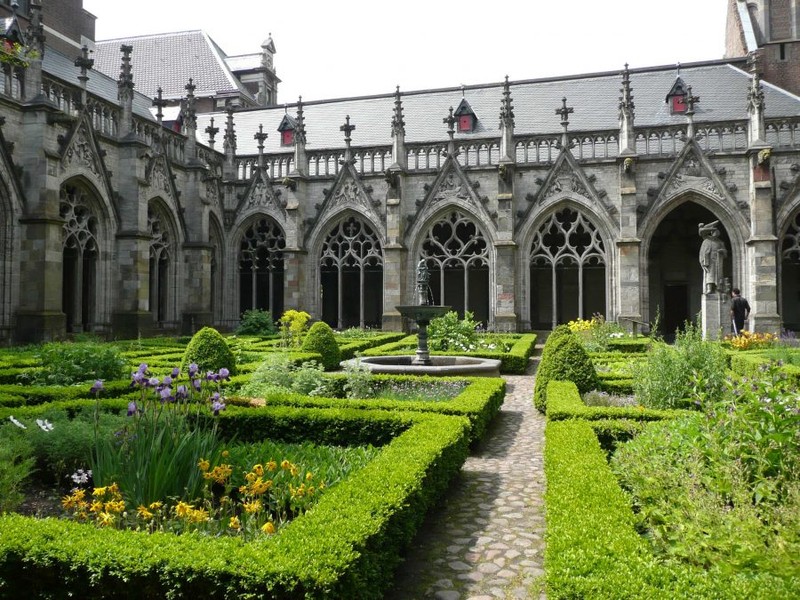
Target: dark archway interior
675,274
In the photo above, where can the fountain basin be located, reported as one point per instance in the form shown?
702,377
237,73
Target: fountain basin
441,366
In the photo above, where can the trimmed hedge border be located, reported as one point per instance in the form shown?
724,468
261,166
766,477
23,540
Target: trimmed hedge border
592,548
479,402
347,546
566,403
748,364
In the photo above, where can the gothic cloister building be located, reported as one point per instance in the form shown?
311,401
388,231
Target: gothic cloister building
532,202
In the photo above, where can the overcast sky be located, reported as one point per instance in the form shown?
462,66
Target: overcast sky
336,49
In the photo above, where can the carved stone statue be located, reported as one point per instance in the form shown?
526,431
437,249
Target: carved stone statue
712,256
423,279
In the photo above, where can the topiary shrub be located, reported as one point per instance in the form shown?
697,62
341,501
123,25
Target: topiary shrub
210,351
320,339
563,359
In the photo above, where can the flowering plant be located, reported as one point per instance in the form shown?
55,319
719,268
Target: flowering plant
16,54
154,456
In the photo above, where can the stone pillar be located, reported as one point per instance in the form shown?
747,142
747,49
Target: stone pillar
628,276
132,316
762,249
294,282
395,257
505,313
715,315
196,293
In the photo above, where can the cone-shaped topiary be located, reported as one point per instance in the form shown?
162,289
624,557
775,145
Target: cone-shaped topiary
320,339
563,359
210,351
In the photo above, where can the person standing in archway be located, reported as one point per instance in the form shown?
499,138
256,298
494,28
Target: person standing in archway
740,310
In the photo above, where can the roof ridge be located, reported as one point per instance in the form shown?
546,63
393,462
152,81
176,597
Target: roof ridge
150,35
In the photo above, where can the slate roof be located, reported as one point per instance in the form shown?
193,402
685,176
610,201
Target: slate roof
244,62
721,86
169,60
61,67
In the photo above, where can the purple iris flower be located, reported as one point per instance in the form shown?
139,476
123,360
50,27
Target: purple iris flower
193,369
131,408
217,406
97,387
166,394
182,392
196,383
175,372
224,373
153,382
143,368
167,380
211,376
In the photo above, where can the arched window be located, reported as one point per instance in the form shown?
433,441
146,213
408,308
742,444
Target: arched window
457,255
351,276
161,249
79,264
261,268
567,260
790,275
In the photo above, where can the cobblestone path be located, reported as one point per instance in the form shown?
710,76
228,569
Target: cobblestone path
487,539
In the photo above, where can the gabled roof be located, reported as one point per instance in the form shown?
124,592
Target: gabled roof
244,62
168,60
594,97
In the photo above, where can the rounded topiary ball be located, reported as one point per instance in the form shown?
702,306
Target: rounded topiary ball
320,339
209,350
563,359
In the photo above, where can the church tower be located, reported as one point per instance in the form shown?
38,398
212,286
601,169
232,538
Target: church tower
771,30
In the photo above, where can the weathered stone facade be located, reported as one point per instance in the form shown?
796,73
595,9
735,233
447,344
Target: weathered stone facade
532,202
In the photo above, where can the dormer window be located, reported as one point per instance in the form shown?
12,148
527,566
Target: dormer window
466,119
676,98
287,129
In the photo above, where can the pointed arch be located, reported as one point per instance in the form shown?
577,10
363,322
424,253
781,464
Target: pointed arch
163,271
85,239
216,262
789,271
459,254
567,262
351,272
261,265
10,211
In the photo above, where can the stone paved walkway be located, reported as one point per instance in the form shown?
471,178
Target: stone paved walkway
486,541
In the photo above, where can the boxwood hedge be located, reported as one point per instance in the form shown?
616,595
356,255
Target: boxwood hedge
347,546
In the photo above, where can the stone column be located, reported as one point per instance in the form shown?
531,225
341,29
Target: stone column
629,280
395,255
505,313
762,249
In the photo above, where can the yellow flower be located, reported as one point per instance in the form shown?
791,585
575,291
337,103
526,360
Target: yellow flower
156,505
268,528
183,510
252,507
96,506
272,465
203,464
199,515
105,519
235,524
286,465
225,454
258,470
143,513
99,491
294,471
309,476
116,506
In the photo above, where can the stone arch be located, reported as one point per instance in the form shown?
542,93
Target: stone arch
164,252
789,269
260,243
216,266
87,232
350,260
568,263
460,255
672,278
10,211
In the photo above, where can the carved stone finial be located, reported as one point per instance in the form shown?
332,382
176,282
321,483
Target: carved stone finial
159,103
564,111
229,140
210,130
260,136
84,63
690,101
626,105
398,123
507,106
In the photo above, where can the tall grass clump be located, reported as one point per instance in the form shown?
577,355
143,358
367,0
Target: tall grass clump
667,377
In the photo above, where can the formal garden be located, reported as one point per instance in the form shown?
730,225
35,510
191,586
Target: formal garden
251,465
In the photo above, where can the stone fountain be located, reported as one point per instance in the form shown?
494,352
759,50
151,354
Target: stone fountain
423,363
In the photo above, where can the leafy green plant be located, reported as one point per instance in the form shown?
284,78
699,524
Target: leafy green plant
256,322
665,378
155,456
16,465
734,468
66,363
293,327
209,351
278,373
448,332
358,382
320,338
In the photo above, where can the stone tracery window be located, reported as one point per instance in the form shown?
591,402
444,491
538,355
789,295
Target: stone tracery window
261,267
80,253
161,248
457,255
790,275
351,271
567,259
